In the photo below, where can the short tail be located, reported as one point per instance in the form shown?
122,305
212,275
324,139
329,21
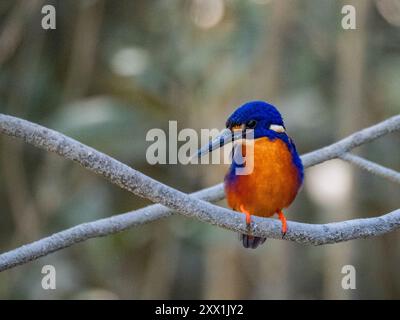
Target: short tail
251,242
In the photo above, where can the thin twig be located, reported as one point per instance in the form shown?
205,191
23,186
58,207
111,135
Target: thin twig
372,167
188,205
352,141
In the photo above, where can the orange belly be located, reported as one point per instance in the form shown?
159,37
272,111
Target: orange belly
273,183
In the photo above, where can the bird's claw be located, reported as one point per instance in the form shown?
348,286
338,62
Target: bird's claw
248,216
282,218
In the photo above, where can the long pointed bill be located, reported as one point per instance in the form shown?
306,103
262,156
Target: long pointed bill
225,137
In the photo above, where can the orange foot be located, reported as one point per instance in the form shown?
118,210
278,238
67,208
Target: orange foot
248,215
284,223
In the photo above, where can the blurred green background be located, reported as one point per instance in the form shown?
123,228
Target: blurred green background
112,70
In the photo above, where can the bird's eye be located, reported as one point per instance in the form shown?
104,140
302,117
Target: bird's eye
251,124
277,128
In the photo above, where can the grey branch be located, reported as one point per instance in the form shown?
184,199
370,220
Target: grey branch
372,167
193,205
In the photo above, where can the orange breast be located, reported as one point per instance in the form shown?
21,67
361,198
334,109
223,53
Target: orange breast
273,183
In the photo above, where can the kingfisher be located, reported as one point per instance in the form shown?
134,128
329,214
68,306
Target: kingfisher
276,173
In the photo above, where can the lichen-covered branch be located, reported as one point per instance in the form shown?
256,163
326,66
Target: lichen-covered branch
188,205
352,141
372,167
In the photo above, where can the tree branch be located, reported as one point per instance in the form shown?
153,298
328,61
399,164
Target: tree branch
352,141
188,205
372,167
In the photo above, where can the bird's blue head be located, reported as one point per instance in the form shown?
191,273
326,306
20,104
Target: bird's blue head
264,120
262,117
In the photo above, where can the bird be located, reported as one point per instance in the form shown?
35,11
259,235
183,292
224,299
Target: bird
277,171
